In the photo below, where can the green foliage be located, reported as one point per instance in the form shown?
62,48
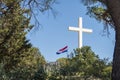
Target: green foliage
85,64
98,10
18,59
13,44
26,68
54,76
40,74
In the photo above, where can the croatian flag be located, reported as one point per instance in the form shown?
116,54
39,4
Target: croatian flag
65,49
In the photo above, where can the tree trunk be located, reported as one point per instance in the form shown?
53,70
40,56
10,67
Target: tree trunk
114,9
116,59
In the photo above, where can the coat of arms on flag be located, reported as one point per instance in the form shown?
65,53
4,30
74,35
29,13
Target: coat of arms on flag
62,50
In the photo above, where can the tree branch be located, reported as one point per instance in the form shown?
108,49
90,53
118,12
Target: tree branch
103,1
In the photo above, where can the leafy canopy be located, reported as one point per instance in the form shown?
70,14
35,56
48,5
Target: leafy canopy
98,10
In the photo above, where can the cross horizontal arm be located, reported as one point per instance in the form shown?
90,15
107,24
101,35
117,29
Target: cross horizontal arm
87,30
74,29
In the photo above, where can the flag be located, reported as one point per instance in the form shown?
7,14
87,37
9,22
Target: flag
62,50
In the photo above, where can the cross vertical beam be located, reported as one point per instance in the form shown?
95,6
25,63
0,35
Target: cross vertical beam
80,30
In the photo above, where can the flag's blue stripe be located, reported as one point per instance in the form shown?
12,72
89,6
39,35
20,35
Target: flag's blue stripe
61,52
64,51
57,53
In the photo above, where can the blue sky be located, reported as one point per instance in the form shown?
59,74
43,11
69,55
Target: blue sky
54,33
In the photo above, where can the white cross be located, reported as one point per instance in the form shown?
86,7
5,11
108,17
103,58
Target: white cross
80,30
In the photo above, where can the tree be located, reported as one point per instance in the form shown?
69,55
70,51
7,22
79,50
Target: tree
40,74
13,43
85,65
63,63
34,7
30,65
108,12
89,65
17,56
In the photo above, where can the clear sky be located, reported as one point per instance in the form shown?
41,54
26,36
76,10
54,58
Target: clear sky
54,33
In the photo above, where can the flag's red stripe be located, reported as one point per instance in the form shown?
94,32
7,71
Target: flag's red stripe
63,48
